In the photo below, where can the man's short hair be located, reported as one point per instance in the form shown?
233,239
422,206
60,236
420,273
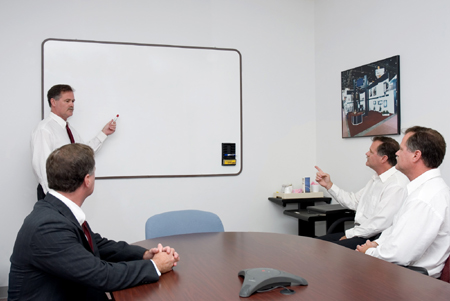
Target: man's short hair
429,142
388,147
55,92
68,165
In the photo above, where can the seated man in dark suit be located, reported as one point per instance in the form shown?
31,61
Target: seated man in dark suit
57,257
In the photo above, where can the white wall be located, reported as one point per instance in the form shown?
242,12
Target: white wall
293,54
351,33
276,39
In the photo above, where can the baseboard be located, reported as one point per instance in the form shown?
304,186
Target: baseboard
3,292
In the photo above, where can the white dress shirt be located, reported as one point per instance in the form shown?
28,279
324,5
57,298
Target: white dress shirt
49,135
376,204
420,233
76,210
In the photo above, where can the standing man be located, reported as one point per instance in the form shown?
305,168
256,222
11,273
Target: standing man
420,233
375,204
56,256
54,132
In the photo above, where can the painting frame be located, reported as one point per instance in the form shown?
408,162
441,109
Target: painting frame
370,99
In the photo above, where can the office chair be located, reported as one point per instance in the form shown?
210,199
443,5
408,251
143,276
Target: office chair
338,223
420,270
182,222
445,276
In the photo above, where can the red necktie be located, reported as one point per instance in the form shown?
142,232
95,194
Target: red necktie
88,234
69,132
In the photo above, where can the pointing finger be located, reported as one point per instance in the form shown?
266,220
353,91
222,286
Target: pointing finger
317,167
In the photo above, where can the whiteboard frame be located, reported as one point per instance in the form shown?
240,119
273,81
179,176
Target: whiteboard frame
44,102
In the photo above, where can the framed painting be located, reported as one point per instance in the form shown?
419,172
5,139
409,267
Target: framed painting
370,99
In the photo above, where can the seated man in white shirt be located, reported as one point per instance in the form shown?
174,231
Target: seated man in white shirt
51,133
420,233
375,204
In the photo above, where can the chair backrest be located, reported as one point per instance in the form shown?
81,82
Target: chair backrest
339,222
445,276
182,222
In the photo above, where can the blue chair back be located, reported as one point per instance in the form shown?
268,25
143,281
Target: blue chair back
182,222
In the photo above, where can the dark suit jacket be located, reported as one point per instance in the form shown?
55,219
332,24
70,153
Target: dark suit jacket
52,259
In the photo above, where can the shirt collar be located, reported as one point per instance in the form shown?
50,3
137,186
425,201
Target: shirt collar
417,182
58,119
385,175
76,210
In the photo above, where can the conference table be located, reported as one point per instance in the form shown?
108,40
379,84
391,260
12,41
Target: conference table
210,262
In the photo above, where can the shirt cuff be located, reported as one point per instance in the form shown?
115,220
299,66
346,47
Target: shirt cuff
334,189
156,268
101,136
370,251
349,233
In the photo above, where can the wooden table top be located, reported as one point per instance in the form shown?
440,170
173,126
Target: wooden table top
210,262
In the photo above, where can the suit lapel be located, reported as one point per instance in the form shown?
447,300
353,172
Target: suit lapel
65,211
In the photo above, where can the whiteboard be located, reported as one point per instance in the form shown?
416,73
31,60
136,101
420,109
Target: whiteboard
176,104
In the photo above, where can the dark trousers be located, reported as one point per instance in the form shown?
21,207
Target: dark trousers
350,243
40,193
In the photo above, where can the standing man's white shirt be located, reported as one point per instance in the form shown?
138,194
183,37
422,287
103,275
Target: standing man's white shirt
49,135
376,204
420,234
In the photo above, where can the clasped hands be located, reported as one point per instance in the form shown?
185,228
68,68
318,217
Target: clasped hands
363,248
165,258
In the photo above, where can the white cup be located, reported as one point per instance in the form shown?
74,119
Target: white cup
288,189
314,188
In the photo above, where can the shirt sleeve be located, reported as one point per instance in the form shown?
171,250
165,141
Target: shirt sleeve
414,231
349,200
385,209
42,146
95,143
